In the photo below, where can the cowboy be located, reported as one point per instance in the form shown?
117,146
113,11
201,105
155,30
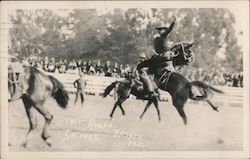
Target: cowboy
162,46
148,83
80,85
98,68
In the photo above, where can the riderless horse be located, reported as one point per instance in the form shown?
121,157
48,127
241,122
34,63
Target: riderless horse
34,87
174,83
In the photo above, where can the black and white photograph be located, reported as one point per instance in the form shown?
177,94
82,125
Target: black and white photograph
127,79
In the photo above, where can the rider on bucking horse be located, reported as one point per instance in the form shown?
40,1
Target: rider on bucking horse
161,48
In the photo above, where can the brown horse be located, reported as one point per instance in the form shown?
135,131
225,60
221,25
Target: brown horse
176,84
34,87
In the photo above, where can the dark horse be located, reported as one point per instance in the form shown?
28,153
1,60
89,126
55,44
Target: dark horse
174,83
34,87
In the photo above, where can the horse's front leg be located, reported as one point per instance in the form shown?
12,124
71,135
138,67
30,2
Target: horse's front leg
157,108
32,119
213,106
146,108
48,118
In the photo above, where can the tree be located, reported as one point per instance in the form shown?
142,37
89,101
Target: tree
122,34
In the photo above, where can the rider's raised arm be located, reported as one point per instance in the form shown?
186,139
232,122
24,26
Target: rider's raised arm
169,29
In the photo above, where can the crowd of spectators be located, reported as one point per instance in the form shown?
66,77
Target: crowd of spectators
217,77
107,68
74,66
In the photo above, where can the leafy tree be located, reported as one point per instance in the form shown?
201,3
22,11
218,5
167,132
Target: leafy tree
122,34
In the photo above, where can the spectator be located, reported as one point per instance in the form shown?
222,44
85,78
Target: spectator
240,79
121,71
108,69
62,66
127,71
115,70
46,63
72,64
84,67
90,68
99,68
199,75
228,78
78,64
52,65
235,80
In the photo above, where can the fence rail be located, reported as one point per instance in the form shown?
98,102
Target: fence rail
97,84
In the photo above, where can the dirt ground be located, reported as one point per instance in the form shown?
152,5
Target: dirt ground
89,128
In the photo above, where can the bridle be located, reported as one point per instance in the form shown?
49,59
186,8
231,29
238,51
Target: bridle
184,53
186,56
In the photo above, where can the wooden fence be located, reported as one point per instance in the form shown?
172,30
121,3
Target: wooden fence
96,85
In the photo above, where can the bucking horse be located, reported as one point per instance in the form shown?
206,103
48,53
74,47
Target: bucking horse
174,83
34,87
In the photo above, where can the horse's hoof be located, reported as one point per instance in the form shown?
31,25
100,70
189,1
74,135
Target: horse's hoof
48,141
24,145
111,117
216,109
185,121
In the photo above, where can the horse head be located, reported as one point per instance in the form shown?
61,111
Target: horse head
183,53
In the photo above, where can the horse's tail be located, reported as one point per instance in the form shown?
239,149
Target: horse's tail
205,86
110,88
59,93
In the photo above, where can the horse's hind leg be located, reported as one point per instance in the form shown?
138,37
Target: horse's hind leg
48,118
146,108
179,106
118,103
214,107
183,115
32,120
123,112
